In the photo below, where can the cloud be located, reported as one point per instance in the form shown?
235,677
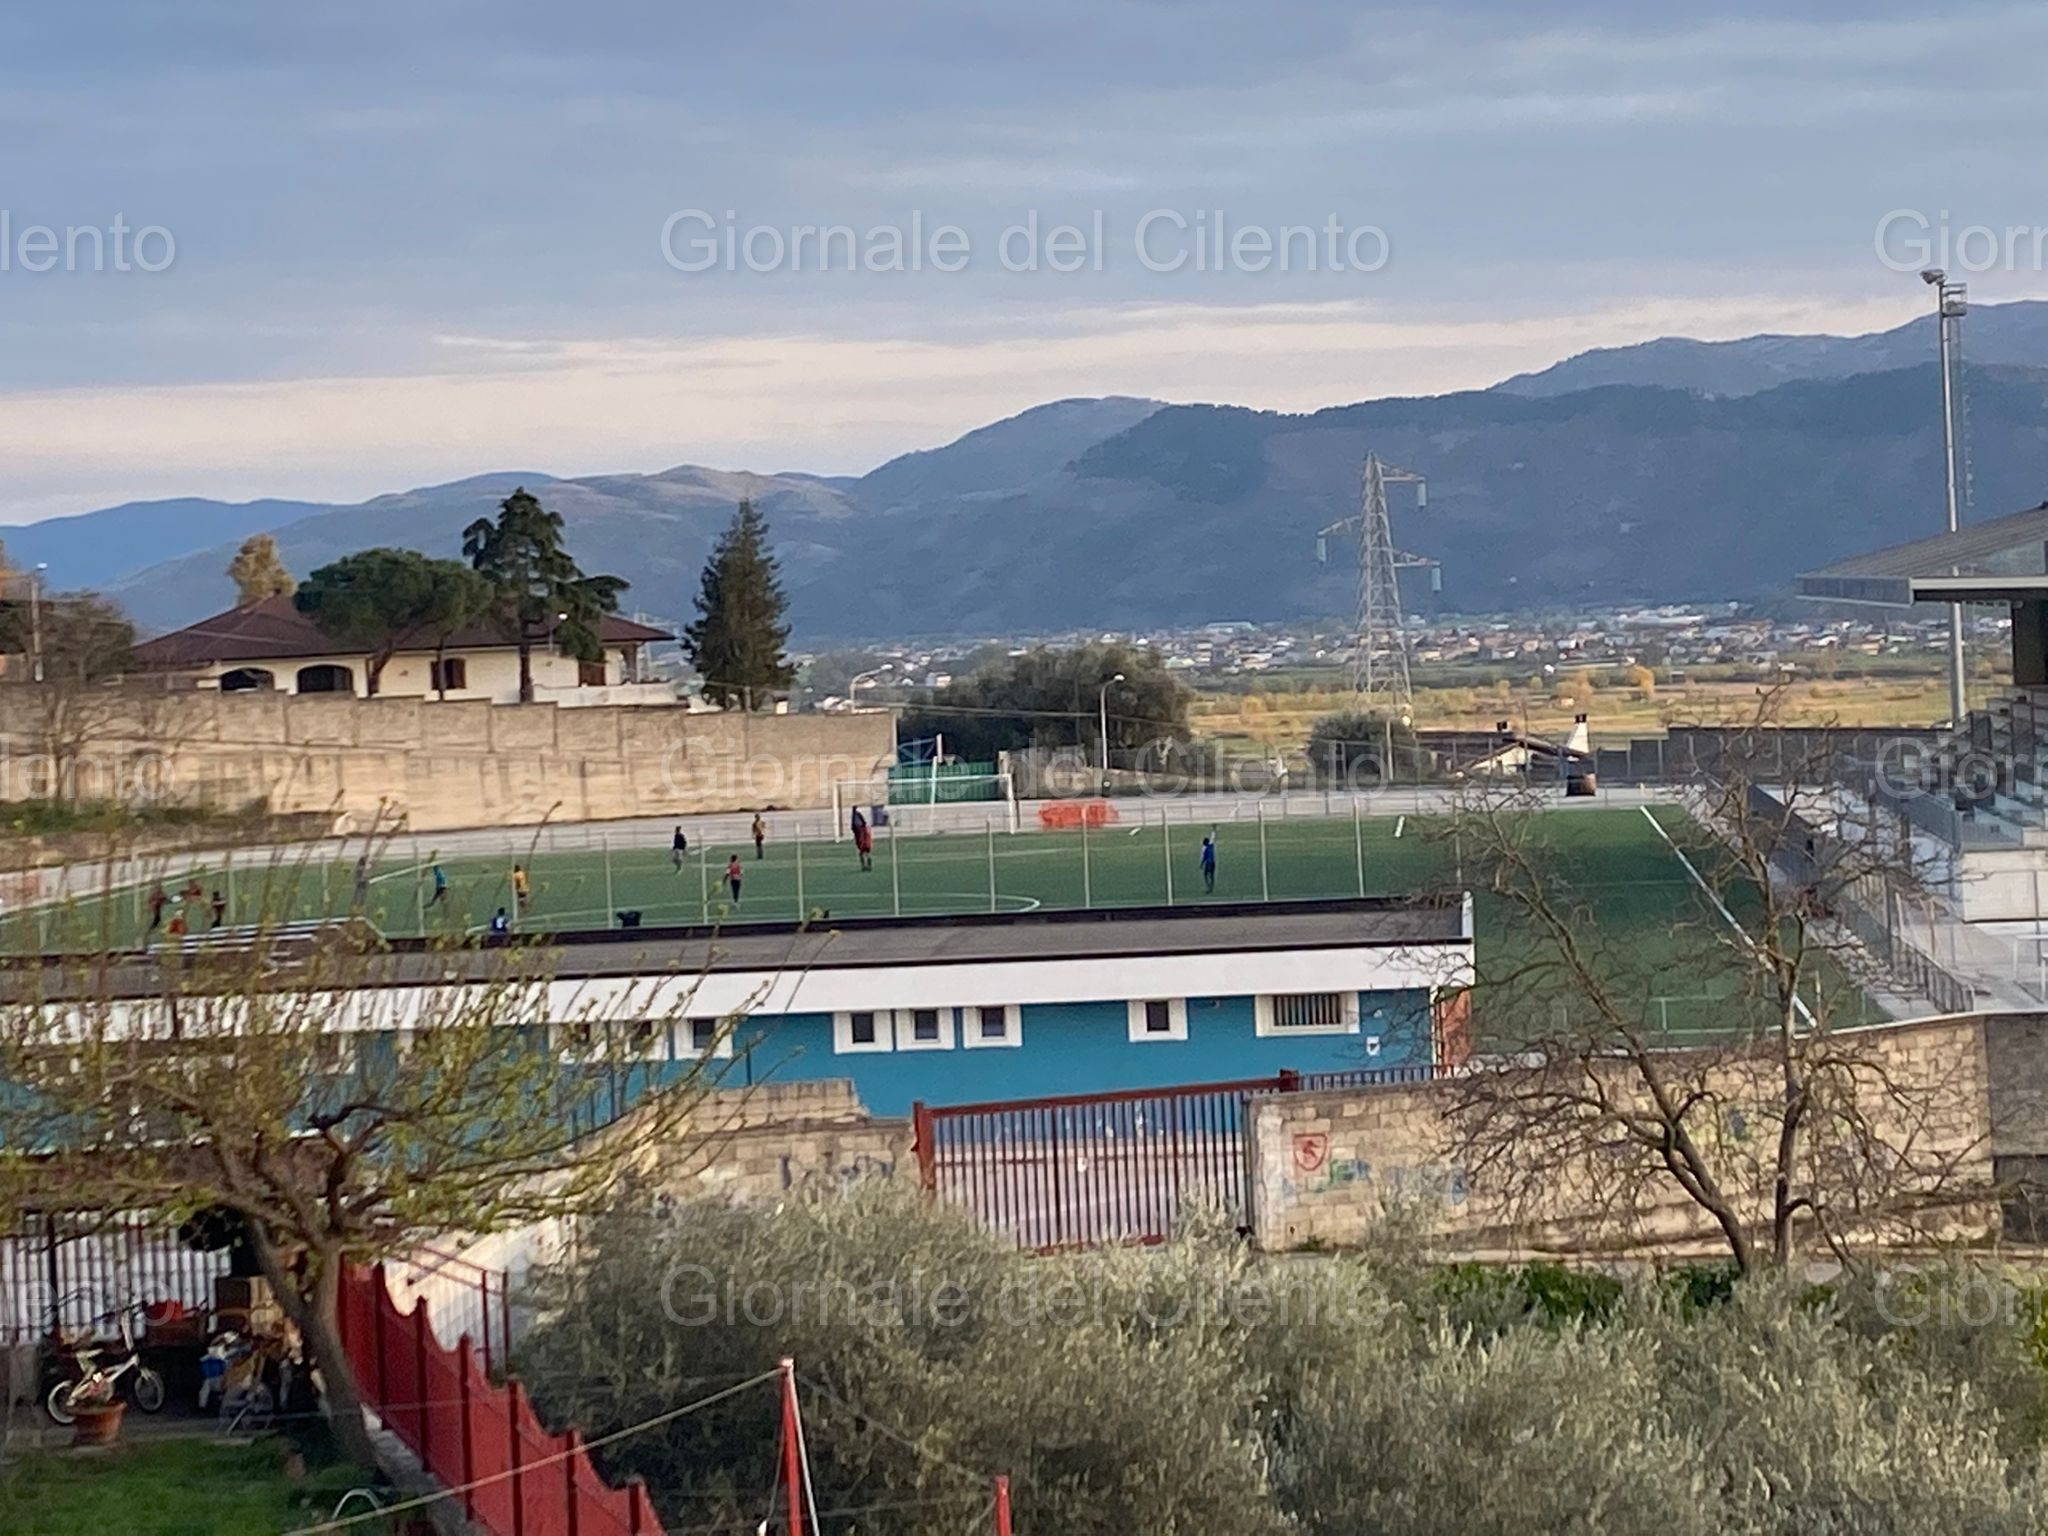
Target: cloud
810,401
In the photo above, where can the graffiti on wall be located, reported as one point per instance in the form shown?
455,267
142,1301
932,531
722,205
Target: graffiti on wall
1317,1172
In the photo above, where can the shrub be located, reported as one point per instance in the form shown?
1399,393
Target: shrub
1197,1388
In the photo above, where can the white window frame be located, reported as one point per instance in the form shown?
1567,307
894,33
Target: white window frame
970,1027
1176,1020
1263,1013
686,1039
612,1043
843,1043
906,1029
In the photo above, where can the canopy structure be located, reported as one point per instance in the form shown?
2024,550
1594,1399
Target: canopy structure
2004,560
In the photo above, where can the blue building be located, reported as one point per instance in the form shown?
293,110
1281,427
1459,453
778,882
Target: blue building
956,1010
952,1010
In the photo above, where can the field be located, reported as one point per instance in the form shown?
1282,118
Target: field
1280,712
1645,915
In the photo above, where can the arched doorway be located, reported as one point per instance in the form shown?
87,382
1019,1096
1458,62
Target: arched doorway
325,679
247,680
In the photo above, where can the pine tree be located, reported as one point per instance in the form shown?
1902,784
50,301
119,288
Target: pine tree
737,640
541,595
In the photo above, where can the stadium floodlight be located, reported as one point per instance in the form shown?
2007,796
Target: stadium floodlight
1951,303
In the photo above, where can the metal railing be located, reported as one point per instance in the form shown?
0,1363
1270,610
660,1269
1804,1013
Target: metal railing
1092,1169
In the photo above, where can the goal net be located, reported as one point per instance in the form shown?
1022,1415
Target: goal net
911,798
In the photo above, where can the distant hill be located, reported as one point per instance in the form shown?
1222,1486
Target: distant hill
98,549
1118,513
1995,335
656,530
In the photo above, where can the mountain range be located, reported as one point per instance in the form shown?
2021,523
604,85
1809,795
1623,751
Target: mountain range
1675,470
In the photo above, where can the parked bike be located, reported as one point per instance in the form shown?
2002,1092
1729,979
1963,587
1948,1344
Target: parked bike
98,1379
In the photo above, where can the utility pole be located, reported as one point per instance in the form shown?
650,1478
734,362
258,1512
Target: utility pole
1951,303
1379,661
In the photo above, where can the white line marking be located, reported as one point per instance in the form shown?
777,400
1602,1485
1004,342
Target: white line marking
1399,823
1729,917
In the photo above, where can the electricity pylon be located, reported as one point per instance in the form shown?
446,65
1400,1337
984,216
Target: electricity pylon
1379,663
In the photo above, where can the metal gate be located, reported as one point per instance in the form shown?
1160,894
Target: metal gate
1095,1168
61,1272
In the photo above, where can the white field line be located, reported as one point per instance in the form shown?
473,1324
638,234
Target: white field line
1798,1005
1399,823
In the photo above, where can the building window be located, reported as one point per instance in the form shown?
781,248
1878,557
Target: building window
924,1029
991,1026
861,1031
450,676
1159,1018
1307,1013
709,1037
324,679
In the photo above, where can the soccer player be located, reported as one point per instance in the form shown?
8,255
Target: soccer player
220,908
500,923
677,847
440,887
733,876
522,887
760,834
362,889
158,900
1209,863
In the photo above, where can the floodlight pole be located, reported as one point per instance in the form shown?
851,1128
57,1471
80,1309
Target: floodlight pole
1951,303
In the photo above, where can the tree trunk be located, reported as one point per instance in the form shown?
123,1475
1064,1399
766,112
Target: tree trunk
344,1394
312,1301
525,667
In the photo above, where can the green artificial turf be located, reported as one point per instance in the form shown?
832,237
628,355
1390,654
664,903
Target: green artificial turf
1652,928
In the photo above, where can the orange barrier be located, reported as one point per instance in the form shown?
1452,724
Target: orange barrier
1067,815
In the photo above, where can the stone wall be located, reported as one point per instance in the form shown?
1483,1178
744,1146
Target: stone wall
438,764
1329,1168
781,1139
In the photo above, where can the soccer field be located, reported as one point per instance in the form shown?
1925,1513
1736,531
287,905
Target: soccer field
1645,915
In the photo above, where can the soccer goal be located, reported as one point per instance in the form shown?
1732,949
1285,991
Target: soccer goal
910,800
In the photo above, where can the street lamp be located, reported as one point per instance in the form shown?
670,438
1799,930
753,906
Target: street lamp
1102,705
35,619
853,687
1951,303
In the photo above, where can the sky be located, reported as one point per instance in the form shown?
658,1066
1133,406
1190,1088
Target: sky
401,241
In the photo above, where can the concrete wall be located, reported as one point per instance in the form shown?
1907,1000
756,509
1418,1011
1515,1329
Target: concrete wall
439,764
1329,1168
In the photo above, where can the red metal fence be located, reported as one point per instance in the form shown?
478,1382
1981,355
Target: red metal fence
471,1434
1098,1168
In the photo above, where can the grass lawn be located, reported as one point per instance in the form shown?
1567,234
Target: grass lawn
165,1488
